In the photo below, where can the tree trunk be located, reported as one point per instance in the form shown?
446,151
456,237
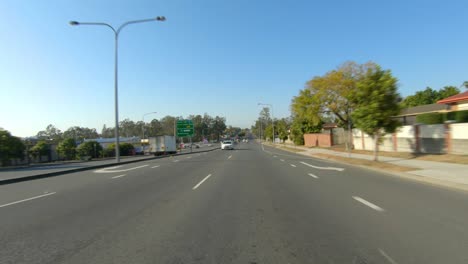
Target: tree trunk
376,147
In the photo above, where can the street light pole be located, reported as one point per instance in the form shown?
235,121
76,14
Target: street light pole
116,95
143,130
272,119
143,125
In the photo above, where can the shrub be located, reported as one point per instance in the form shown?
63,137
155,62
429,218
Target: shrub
90,148
461,116
125,149
431,118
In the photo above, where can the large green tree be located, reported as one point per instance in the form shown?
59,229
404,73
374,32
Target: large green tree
11,147
40,149
377,102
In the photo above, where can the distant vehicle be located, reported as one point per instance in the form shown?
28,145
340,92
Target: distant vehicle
227,144
162,145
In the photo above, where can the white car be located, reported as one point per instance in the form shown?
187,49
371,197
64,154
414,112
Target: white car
227,144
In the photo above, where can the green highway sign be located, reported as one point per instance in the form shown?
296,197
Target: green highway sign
184,128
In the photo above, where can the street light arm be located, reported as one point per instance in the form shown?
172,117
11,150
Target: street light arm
76,23
159,18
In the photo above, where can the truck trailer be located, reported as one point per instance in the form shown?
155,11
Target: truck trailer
162,145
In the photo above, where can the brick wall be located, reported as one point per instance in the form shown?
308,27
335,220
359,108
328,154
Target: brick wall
318,140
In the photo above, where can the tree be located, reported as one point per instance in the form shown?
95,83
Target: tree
332,94
429,96
447,91
377,103
281,128
89,149
51,132
11,147
80,133
107,132
218,126
40,149
67,148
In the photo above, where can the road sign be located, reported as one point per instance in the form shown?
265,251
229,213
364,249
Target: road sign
184,128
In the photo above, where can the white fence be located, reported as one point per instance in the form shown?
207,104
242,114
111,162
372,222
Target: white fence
441,138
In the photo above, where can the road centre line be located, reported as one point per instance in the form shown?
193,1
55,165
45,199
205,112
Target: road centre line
118,176
282,160
387,257
204,179
28,199
155,166
292,165
109,170
313,176
322,168
371,205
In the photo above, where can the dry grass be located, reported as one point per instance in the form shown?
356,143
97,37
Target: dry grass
367,163
450,158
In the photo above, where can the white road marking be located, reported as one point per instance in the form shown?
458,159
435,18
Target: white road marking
292,165
155,166
230,157
275,156
118,176
28,199
189,157
387,257
371,205
313,176
282,160
322,168
204,179
109,170
176,160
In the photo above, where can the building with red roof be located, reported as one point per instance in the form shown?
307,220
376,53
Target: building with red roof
456,102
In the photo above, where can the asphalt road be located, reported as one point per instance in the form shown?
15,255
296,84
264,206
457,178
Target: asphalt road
249,205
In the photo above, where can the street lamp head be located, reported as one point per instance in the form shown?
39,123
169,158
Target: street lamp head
161,18
74,23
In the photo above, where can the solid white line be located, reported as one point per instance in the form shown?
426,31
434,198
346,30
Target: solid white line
275,156
118,176
230,157
176,160
204,179
28,199
282,160
292,165
387,257
371,205
155,166
322,168
108,170
313,176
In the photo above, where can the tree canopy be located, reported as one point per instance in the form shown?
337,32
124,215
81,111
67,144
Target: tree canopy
429,96
376,104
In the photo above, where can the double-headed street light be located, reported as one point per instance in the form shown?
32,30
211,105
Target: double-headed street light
272,119
116,37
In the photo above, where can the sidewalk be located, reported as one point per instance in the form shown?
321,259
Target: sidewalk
442,171
10,175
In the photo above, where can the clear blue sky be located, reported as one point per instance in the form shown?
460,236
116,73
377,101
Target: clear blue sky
218,57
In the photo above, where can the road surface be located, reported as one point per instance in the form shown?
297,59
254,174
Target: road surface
251,205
